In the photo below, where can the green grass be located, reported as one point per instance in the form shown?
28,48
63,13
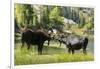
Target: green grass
51,54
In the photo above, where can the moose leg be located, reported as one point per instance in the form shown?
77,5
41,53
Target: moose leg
40,50
84,51
40,47
48,42
28,44
69,50
85,45
60,43
73,51
22,44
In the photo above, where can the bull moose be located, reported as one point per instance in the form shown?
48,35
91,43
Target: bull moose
35,38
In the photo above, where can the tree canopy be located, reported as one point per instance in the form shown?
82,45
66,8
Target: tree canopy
52,17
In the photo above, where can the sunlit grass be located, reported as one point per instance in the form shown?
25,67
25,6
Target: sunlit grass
50,55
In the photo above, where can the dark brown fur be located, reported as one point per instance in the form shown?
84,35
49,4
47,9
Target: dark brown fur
35,38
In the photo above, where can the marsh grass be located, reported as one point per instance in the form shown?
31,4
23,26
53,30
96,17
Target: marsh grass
51,54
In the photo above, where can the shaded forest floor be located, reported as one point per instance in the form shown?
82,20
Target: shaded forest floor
51,54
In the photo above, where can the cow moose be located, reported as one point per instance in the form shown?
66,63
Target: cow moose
76,44
34,38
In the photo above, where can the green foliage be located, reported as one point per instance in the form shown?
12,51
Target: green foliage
45,23
51,54
24,14
56,19
88,26
18,16
52,17
55,15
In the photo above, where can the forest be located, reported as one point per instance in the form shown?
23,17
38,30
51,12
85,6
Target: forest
62,19
54,17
